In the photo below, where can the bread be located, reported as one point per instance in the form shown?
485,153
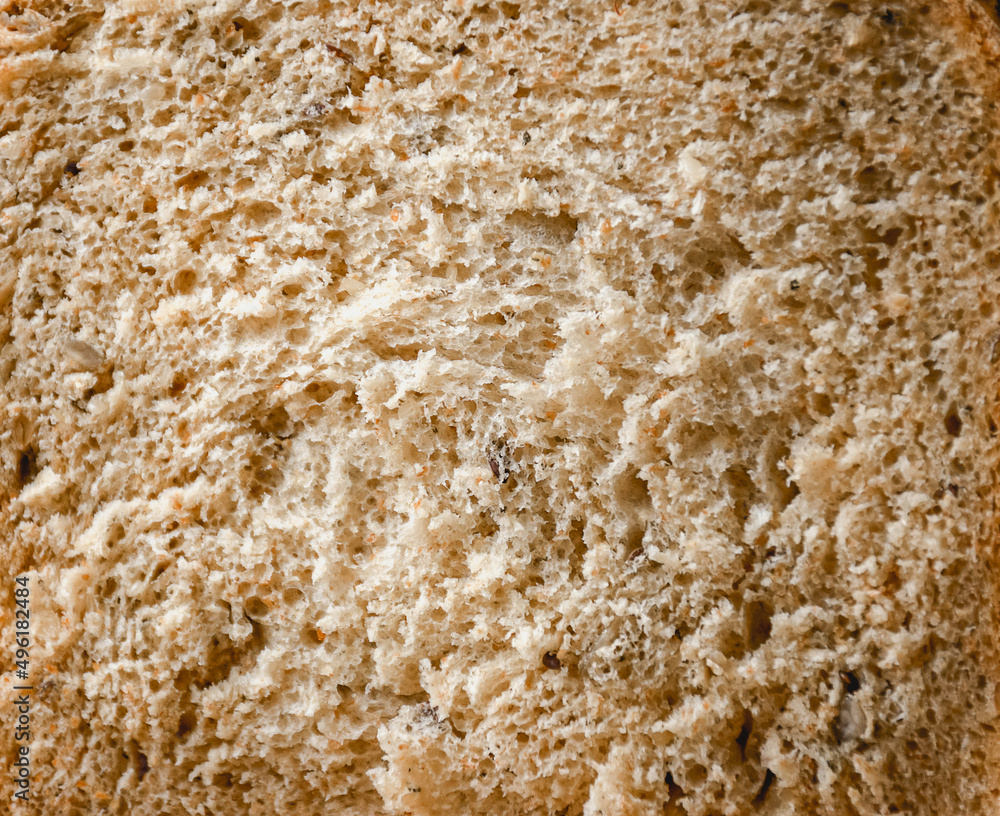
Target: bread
514,408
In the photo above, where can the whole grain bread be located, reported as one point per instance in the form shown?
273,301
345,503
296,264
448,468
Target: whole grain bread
502,408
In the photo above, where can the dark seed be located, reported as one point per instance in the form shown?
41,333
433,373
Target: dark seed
550,661
71,169
526,137
339,52
795,285
429,712
496,455
850,681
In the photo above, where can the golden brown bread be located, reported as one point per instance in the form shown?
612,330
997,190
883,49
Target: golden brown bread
514,408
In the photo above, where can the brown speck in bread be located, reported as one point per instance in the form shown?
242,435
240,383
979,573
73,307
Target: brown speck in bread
339,52
551,661
497,457
429,712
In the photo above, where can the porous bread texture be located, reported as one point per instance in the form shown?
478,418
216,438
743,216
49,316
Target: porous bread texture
515,408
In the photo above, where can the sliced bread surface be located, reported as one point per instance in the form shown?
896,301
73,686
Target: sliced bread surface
511,408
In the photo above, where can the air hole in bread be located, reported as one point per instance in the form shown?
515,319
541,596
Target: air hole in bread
953,423
248,29
109,588
256,607
27,465
177,385
186,724
758,800
746,728
140,763
184,281
320,391
757,616
674,794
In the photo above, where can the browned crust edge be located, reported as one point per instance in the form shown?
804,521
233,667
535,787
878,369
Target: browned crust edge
977,22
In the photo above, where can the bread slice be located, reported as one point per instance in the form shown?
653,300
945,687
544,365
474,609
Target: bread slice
502,408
